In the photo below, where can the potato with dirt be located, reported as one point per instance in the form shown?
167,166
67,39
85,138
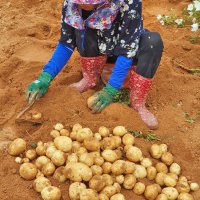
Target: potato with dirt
118,197
63,143
134,154
151,192
118,167
78,172
89,194
40,183
51,193
28,171
97,183
60,174
92,144
139,188
17,147
75,189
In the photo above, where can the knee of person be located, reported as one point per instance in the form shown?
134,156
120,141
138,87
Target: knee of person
155,39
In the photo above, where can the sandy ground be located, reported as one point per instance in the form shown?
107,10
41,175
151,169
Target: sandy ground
29,31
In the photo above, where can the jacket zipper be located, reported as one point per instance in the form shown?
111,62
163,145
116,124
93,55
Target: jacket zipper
82,38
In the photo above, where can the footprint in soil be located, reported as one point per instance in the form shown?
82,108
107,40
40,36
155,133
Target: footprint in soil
6,136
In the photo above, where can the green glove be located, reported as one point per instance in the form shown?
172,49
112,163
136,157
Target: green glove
103,98
38,87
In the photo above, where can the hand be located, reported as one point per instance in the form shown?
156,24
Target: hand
38,87
103,98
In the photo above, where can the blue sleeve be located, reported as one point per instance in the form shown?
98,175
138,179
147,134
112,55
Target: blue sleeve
58,60
120,71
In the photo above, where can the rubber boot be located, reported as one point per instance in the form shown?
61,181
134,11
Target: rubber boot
139,89
91,68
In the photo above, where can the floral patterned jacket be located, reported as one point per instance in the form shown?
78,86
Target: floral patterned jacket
118,25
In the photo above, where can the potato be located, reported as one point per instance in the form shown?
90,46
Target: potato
103,131
50,151
151,192
146,162
183,186
18,160
64,132
194,186
118,197
162,197
110,142
120,179
155,151
60,174
76,127
119,153
75,189
106,167
58,126
97,136
75,146
51,193
41,161
160,178
40,143
87,159
163,148
92,144
130,167
103,197
63,143
17,147
39,174
41,150
91,100
175,168
129,181
140,171
161,167
108,179
167,158
127,147
98,161
96,170
171,193
28,171
118,167
139,188
31,154
78,172
128,139
151,173
173,176
58,158
109,155
88,194
40,183
134,154
72,158
119,131
48,169
48,144
37,116
118,187
25,160
83,133
169,181
54,133
109,191
185,196
73,135
97,183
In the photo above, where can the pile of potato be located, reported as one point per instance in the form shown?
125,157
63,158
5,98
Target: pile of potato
99,164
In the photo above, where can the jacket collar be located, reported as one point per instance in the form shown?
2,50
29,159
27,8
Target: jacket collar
101,18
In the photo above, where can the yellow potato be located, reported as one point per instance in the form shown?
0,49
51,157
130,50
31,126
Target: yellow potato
40,183
28,171
17,147
51,193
